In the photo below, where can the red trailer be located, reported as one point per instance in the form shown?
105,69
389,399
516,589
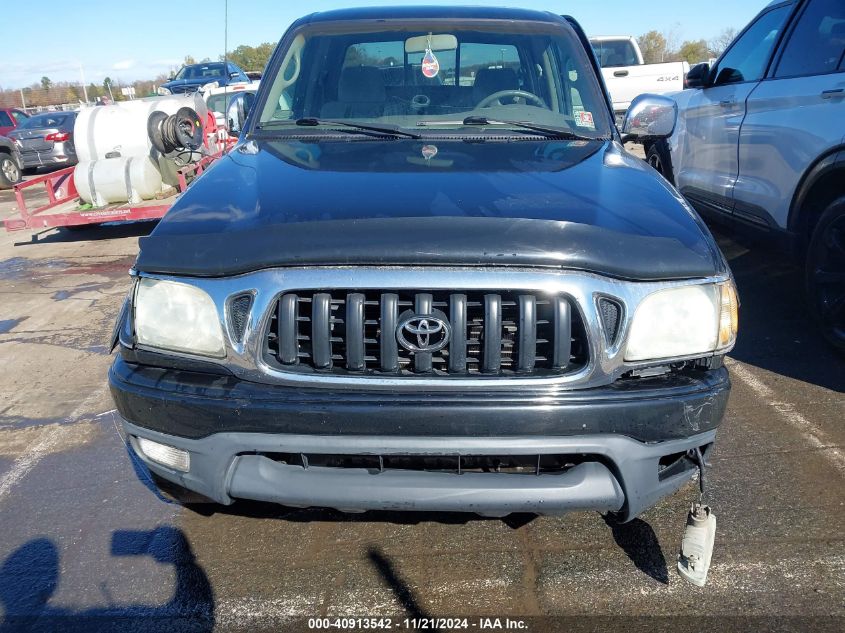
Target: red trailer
64,208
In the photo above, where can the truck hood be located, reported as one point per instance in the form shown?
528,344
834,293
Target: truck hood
584,205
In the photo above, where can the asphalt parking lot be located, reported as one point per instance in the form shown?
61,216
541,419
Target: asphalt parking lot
82,533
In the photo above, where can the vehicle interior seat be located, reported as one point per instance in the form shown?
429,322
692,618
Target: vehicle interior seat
360,93
614,59
834,45
491,80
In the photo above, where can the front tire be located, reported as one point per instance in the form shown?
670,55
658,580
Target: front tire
825,274
660,160
10,173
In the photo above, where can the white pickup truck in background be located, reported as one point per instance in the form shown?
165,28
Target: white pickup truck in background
627,75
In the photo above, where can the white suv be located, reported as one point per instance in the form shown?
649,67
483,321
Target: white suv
760,142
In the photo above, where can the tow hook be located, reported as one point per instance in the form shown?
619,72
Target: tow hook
699,533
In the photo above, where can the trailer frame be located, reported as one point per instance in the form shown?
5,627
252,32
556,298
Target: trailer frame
64,202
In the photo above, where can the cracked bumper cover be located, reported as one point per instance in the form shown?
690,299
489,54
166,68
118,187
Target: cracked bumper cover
229,427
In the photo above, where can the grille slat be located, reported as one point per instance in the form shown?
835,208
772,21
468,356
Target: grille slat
458,344
321,330
288,339
387,341
492,337
422,305
562,333
354,332
527,332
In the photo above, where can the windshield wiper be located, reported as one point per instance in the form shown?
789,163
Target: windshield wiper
549,131
382,130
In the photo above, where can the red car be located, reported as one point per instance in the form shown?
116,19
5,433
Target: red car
10,118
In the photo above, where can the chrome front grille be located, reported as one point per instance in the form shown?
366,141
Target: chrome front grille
354,333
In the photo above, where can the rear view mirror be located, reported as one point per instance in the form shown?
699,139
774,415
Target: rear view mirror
698,76
419,44
237,111
650,117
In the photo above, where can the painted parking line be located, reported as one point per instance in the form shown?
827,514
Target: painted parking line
811,432
50,439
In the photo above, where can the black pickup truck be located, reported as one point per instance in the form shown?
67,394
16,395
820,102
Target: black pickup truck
429,277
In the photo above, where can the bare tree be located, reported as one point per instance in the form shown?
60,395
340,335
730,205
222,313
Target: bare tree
720,43
673,41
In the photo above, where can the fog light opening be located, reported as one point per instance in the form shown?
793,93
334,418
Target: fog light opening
168,456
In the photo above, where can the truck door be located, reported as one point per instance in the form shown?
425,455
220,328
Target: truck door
794,116
708,167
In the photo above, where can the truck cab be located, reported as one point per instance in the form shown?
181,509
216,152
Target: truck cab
626,74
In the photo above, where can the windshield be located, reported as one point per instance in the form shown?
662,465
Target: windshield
43,120
200,71
434,75
613,53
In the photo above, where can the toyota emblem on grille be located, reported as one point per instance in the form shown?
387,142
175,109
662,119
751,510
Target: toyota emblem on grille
423,333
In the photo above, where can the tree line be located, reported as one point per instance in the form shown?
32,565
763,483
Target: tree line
657,47
49,93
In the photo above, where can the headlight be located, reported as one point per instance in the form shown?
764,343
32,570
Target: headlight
177,317
162,91
209,86
684,321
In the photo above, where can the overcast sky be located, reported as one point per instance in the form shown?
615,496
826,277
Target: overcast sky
139,39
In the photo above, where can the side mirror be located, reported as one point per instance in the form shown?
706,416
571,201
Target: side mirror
698,76
172,76
650,117
234,75
239,106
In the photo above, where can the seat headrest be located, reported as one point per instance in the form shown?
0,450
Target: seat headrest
490,80
361,84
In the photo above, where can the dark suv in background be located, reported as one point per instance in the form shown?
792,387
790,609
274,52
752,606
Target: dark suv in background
195,77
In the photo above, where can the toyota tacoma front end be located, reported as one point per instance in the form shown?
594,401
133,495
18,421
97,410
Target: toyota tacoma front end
428,277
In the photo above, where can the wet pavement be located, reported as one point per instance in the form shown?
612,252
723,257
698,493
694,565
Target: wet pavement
86,543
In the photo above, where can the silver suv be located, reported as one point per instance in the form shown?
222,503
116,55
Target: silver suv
760,142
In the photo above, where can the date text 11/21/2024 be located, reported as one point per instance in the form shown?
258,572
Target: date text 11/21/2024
418,624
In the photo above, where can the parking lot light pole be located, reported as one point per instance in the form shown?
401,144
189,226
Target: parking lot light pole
84,89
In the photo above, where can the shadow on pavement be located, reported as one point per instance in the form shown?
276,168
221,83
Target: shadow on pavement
639,542
91,233
262,510
30,576
776,330
404,594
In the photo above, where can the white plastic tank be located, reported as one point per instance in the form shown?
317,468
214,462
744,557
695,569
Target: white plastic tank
123,179
121,129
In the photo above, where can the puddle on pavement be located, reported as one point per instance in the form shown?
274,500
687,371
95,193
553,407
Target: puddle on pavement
69,293
65,339
23,268
16,268
16,441
7,325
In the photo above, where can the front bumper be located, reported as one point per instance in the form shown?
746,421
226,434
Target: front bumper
628,443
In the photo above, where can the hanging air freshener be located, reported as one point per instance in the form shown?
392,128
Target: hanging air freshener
430,65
